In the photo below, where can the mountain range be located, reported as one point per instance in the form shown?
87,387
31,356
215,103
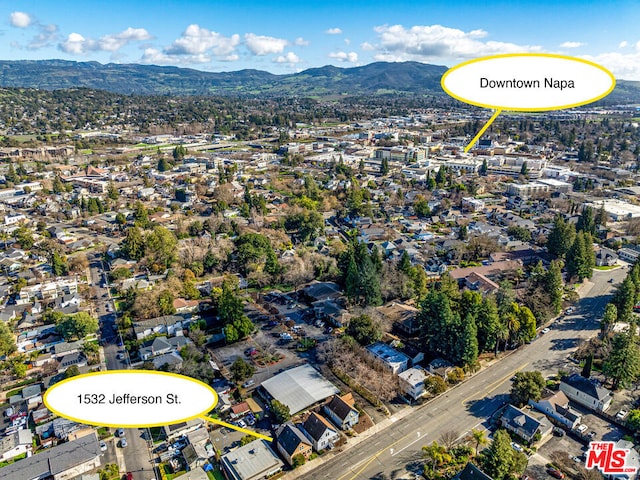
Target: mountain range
373,79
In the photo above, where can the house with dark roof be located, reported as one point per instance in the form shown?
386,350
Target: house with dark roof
321,433
341,411
162,345
67,460
555,405
586,392
78,359
171,359
471,472
291,442
316,291
523,424
605,257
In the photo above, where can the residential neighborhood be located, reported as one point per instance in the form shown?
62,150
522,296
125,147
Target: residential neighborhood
367,297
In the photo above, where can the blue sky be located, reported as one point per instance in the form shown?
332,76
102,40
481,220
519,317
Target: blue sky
284,37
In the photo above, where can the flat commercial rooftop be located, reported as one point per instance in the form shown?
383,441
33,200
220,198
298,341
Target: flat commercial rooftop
299,387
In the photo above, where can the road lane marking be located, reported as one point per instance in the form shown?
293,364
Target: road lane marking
405,447
373,458
496,384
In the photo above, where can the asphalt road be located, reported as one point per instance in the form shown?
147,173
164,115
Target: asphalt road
135,457
395,452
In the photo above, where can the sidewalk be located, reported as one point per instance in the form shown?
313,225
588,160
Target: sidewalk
381,426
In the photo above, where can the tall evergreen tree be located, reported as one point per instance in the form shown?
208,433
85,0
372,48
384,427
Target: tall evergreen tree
622,366
586,222
553,285
384,167
625,299
488,324
484,167
561,237
468,342
609,319
581,257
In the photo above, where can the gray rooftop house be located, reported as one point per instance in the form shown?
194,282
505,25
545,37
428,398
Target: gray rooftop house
523,424
586,392
253,461
65,461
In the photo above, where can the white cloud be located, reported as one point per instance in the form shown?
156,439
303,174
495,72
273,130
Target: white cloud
263,45
623,44
114,42
572,44
196,41
77,44
157,57
301,42
20,19
48,34
290,58
347,41
428,42
333,31
625,66
344,56
367,46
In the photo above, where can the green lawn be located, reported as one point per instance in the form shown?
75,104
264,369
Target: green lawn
215,475
606,267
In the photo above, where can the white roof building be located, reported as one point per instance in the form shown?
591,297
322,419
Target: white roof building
299,388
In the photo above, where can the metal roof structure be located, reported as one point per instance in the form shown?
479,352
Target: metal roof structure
299,388
251,461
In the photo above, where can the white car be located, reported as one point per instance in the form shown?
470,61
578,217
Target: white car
582,428
242,424
103,446
516,447
621,414
545,330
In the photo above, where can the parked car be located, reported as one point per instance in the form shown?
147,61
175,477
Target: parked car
103,446
241,424
622,414
516,447
129,476
555,473
249,352
120,432
582,428
558,432
248,383
123,442
545,330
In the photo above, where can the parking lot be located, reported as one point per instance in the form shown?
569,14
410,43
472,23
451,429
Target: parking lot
269,345
567,451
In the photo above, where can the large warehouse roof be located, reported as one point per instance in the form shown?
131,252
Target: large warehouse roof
299,387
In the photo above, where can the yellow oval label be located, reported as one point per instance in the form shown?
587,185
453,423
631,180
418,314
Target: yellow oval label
528,82
130,398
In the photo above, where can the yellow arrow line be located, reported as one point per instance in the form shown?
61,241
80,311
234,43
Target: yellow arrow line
482,130
235,427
